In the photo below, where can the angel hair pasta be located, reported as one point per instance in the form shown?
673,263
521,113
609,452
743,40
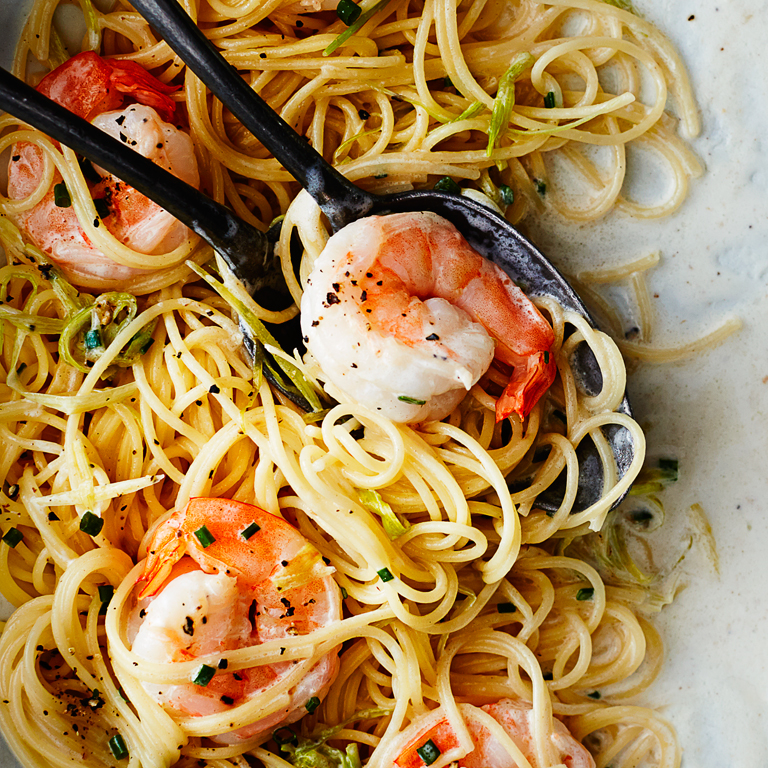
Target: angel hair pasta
229,558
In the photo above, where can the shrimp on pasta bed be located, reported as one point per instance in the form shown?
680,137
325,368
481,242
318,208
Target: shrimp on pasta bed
204,572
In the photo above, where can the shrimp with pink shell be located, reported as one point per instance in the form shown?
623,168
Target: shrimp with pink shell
404,317
499,735
222,575
124,100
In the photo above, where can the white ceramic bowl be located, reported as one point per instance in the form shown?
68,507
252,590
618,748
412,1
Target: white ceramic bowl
712,411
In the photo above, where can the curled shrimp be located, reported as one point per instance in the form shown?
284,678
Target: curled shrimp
405,317
97,89
222,575
430,740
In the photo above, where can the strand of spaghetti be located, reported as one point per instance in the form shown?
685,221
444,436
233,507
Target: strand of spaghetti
645,31
644,305
656,354
583,725
614,274
677,190
595,513
451,55
426,23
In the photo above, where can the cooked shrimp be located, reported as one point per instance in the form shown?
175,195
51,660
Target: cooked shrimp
96,89
222,575
516,719
404,316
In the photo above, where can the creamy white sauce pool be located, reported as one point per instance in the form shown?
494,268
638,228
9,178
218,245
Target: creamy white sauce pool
712,412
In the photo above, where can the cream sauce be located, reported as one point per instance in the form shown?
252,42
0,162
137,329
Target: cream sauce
711,411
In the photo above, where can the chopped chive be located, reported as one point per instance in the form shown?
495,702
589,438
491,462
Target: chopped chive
471,111
365,16
546,357
250,531
344,593
91,524
585,593
447,184
670,466
594,695
12,537
348,11
541,186
428,752
92,339
385,574
312,704
549,100
204,536
102,208
507,194
506,607
641,516
291,738
204,675
105,595
117,745
411,400
61,195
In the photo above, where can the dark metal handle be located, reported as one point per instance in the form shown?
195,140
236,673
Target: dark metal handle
244,247
340,200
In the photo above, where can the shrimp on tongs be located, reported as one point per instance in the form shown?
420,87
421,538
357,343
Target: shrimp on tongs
97,89
222,575
405,317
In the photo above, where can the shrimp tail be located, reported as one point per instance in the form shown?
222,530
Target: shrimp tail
130,78
167,547
88,85
530,379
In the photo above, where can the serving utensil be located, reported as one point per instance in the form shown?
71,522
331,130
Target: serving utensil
247,251
343,202
245,248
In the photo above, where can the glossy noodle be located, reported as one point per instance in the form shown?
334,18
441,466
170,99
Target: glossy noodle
458,592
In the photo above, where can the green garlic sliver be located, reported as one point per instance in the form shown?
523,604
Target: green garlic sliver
505,99
100,492
394,526
259,331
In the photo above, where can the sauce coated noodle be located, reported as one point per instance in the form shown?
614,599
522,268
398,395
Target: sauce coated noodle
457,591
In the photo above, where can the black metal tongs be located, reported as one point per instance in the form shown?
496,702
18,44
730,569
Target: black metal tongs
247,251
343,202
245,248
